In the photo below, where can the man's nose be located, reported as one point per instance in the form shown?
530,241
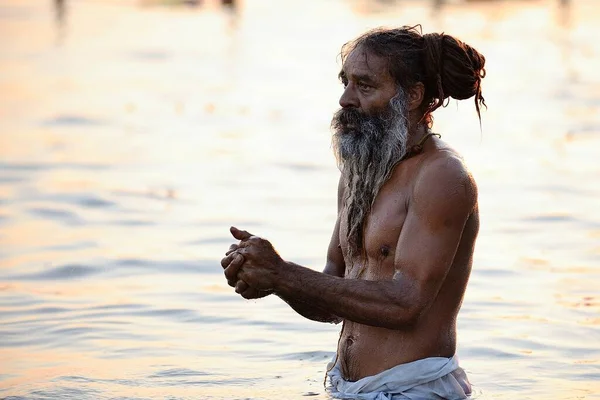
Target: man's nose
349,98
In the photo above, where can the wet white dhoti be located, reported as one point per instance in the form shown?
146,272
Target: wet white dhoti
426,379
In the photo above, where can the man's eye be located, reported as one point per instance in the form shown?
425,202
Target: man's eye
363,86
344,82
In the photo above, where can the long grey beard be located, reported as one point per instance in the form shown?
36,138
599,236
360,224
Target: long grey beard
367,148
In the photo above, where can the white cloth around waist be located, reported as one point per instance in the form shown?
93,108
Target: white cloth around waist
426,379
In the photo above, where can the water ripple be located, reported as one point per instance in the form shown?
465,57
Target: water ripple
29,167
71,271
67,217
68,120
177,372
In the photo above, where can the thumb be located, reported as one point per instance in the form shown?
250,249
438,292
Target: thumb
240,235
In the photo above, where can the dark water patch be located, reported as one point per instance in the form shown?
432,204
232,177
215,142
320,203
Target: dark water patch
280,326
3,218
71,246
299,167
583,130
182,315
177,372
83,379
51,313
175,266
71,120
32,167
78,379
27,339
150,55
73,331
93,202
132,222
130,306
64,272
250,226
101,319
550,218
18,300
203,296
517,231
136,352
84,200
12,179
154,194
212,319
49,310
477,352
67,217
219,382
162,380
65,393
494,272
59,333
308,356
523,344
225,241
4,376
174,313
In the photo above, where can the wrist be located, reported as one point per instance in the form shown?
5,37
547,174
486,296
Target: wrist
283,277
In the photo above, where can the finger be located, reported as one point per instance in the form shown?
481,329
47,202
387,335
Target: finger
225,261
232,248
231,283
249,293
241,286
240,235
232,270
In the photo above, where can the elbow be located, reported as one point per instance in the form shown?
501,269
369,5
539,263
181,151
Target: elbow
402,318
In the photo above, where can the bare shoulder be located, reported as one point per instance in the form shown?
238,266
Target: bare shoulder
445,184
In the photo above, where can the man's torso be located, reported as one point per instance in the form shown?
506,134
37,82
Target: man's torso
367,350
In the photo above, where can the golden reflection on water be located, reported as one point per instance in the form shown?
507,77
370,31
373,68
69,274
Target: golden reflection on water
133,137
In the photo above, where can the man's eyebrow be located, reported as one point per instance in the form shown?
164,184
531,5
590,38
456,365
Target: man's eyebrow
357,77
363,78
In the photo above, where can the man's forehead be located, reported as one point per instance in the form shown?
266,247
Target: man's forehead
361,62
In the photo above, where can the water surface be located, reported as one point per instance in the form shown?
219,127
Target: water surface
132,136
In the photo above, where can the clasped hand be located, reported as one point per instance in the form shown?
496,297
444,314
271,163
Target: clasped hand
252,266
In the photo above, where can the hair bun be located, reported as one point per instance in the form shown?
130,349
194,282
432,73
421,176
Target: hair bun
453,69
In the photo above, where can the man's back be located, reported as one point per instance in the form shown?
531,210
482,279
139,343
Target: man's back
365,350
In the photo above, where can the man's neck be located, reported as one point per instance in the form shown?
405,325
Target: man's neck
416,134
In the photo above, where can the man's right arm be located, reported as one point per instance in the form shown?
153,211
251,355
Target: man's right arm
335,266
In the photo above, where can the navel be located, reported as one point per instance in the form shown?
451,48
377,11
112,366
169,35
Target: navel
384,250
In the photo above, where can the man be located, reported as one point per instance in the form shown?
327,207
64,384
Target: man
401,251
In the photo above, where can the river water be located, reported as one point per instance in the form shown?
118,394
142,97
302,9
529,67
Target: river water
132,135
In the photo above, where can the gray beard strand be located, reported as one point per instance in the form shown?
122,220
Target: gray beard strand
366,160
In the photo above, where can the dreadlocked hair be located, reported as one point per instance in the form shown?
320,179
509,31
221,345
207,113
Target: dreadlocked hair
446,66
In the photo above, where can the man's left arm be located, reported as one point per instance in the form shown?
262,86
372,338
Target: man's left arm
443,198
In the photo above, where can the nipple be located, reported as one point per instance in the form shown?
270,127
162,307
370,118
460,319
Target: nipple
385,250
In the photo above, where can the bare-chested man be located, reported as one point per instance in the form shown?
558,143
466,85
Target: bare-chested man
402,247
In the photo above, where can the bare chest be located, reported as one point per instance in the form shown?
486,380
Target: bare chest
382,229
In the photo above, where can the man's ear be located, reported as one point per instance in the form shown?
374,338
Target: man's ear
415,96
